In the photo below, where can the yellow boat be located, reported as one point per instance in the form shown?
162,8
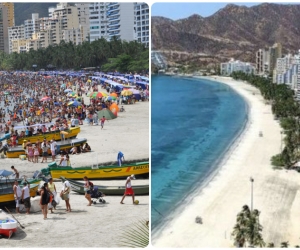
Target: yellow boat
101,172
15,152
70,134
7,196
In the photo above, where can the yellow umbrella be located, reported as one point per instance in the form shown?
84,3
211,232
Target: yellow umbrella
126,92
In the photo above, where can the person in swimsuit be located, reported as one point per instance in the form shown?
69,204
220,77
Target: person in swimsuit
16,172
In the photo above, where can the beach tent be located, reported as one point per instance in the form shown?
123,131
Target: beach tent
107,114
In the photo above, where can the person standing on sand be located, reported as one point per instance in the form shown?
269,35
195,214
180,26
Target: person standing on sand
65,192
44,199
26,196
87,188
52,189
16,172
17,194
128,190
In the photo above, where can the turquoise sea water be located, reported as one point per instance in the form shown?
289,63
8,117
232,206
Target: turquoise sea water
193,124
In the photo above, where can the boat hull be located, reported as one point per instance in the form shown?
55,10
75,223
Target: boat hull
108,190
68,144
72,133
108,172
9,197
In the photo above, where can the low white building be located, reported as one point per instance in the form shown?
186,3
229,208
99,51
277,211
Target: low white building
234,66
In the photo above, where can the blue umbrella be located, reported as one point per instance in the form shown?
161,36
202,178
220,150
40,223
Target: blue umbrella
5,173
68,90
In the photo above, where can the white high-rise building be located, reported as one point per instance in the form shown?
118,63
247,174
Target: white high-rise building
233,66
125,21
98,21
141,23
121,21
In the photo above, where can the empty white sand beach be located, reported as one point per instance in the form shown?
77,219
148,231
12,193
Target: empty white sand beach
275,194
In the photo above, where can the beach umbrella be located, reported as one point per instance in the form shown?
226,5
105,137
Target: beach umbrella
114,94
99,95
74,103
45,98
103,93
135,91
92,94
5,173
110,98
68,90
72,94
126,92
107,114
114,108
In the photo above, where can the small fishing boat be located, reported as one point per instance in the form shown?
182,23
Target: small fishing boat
15,152
8,225
55,135
7,194
139,169
78,187
8,178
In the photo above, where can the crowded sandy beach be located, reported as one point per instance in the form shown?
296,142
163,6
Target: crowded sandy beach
101,224
217,203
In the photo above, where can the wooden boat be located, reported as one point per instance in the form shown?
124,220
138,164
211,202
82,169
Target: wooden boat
56,135
7,193
8,225
139,169
67,144
78,187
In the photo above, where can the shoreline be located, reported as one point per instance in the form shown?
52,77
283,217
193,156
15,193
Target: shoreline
210,175
228,189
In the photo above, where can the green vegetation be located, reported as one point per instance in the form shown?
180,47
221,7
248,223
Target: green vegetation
247,230
108,56
137,235
285,108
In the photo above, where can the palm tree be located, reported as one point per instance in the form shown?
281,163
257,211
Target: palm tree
137,235
247,229
271,245
285,244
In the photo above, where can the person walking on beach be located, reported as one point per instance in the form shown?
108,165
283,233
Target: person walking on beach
128,190
102,120
26,196
17,194
88,186
45,199
65,194
120,157
16,172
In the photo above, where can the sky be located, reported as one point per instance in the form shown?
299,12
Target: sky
177,10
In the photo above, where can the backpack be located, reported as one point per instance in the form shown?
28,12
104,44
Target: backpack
91,184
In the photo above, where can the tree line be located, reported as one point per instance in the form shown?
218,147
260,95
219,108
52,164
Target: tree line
286,109
106,55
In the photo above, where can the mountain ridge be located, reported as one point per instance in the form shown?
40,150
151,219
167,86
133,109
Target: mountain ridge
233,31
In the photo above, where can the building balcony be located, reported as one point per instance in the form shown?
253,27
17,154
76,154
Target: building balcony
114,18
112,4
115,28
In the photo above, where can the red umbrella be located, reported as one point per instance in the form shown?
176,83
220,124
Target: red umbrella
45,98
99,94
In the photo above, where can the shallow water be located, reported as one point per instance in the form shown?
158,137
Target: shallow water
193,123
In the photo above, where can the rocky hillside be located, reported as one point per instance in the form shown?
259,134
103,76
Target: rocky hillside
234,31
